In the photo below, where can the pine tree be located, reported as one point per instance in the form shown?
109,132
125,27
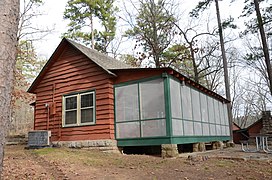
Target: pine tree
82,14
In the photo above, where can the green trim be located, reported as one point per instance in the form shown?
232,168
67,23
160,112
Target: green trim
167,101
195,139
150,141
114,110
155,119
143,142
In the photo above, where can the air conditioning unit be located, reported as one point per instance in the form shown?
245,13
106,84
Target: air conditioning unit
38,138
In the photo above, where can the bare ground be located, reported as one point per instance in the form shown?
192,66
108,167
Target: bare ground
64,163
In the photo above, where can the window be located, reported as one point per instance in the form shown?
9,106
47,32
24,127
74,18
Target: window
79,109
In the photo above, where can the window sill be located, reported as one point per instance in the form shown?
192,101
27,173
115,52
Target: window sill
79,125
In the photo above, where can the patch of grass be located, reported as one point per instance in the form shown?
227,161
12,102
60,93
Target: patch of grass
224,163
44,151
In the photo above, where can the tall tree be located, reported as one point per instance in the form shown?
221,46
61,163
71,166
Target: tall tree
264,43
9,20
82,14
31,9
200,7
27,65
153,29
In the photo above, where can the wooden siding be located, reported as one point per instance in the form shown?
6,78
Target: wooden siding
255,128
74,72
131,75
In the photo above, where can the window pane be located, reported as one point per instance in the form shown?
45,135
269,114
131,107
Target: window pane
177,127
128,130
87,115
196,105
153,128
126,101
188,128
175,98
204,107
186,102
87,100
71,103
70,117
152,99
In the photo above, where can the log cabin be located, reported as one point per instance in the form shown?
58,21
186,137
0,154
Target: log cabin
86,98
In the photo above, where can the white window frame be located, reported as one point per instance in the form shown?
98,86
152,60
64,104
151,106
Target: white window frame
78,120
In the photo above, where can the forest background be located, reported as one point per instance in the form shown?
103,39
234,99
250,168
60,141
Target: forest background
152,33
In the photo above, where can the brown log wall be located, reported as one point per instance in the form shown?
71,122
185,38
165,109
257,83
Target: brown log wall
74,72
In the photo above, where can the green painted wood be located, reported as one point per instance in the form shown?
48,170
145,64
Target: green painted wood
169,140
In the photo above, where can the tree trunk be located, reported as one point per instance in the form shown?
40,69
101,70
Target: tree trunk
225,66
196,77
9,20
265,47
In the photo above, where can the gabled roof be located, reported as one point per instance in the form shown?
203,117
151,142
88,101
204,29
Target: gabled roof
255,123
102,60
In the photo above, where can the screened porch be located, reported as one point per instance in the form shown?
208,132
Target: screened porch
165,110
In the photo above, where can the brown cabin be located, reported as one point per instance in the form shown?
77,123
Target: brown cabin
86,98
261,126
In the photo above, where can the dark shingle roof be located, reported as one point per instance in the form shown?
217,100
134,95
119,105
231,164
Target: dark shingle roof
102,60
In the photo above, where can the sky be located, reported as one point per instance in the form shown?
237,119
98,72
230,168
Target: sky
53,18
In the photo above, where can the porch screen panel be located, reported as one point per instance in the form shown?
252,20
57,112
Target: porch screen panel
218,130
204,108
211,110
196,105
206,129
227,130
212,130
198,128
153,128
175,99
177,127
226,119
221,112
127,107
186,102
128,130
152,99
216,111
188,128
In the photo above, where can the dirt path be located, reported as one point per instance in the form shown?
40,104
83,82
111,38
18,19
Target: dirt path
63,163
25,164
51,168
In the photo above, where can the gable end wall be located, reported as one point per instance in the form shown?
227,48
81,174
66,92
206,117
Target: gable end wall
74,72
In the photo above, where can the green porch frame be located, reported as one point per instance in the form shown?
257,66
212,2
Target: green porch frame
142,120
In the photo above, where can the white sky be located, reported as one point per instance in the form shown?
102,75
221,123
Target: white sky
53,10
